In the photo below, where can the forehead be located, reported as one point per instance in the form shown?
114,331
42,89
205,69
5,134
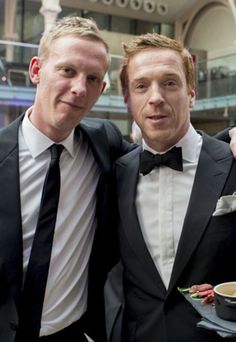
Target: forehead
155,59
77,48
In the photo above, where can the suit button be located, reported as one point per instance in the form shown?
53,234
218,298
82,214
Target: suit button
13,326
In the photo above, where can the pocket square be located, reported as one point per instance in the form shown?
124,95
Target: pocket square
225,205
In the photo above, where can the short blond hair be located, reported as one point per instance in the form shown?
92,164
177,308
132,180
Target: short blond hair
155,40
70,25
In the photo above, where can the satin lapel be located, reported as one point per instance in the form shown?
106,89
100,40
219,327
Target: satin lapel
127,171
213,168
95,132
10,217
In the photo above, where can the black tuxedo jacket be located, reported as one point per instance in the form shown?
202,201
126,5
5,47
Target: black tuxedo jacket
107,145
205,253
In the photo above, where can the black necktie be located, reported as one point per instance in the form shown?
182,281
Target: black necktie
37,271
172,159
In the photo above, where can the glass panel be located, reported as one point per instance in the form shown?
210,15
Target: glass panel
114,69
216,77
33,21
143,27
68,11
120,24
3,75
14,62
102,20
2,18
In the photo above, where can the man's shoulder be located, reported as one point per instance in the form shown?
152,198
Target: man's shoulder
9,134
107,135
97,123
14,125
216,147
105,129
9,138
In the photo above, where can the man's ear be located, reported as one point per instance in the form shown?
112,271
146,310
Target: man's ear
128,102
192,97
34,70
104,83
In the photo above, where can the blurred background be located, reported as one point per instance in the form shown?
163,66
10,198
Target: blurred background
206,27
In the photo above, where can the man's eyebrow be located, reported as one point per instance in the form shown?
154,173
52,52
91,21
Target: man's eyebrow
138,79
170,73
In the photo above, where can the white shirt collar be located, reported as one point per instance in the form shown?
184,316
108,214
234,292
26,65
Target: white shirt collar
190,145
37,142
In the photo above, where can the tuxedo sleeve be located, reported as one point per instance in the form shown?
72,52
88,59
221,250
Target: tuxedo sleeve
223,135
118,145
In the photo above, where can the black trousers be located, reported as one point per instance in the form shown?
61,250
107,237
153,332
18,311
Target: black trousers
72,333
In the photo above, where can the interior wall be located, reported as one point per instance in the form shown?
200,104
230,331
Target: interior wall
213,31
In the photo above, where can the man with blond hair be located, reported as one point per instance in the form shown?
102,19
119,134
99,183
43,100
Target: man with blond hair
69,77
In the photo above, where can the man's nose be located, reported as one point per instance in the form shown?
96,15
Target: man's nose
156,96
79,86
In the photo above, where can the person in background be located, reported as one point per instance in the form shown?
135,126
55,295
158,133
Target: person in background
171,229
136,135
68,74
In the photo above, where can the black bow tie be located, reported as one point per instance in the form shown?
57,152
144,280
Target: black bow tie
172,159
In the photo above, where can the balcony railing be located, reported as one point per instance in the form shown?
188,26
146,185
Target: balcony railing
216,80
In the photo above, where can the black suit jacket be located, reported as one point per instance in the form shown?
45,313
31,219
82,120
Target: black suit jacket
107,145
205,252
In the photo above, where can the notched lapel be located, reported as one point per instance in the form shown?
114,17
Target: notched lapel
213,168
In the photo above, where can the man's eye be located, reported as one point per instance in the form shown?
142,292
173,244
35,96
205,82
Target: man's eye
140,86
94,79
170,83
67,71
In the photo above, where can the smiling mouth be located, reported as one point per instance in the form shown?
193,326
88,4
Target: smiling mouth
72,104
157,117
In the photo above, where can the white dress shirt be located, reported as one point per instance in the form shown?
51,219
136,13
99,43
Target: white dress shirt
66,291
162,200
